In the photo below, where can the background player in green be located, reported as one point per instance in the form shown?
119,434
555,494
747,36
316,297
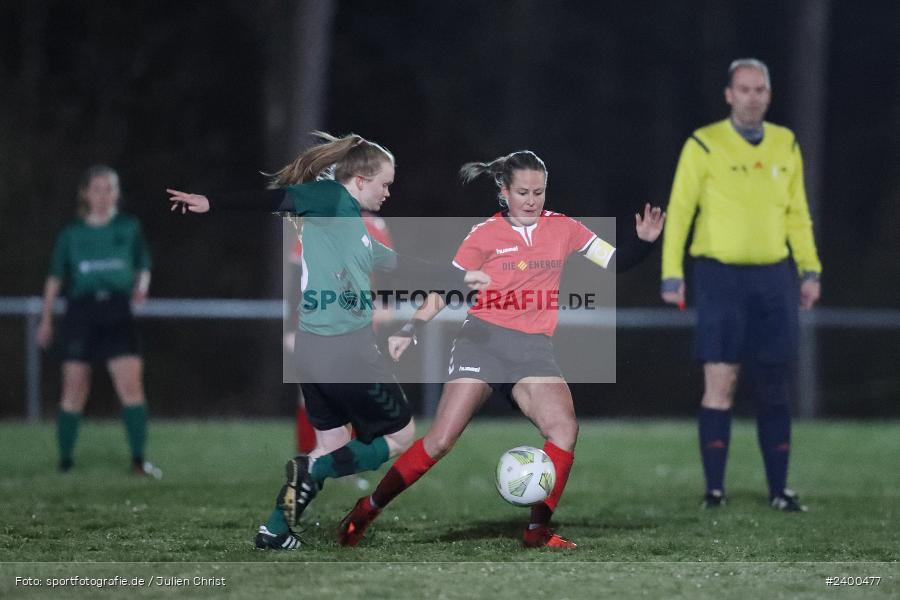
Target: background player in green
102,264
328,186
743,178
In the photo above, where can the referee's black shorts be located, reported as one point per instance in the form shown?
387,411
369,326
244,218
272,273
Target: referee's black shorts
98,327
746,313
499,356
375,408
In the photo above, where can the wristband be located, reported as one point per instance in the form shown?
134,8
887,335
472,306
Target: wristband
411,329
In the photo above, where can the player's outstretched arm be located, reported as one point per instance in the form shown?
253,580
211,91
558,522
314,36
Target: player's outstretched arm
195,203
276,201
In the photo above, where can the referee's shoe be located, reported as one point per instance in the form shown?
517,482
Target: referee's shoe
787,501
298,491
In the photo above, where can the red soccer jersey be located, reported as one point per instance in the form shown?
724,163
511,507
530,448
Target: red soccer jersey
525,265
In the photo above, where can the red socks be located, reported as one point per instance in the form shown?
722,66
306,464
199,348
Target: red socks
407,469
562,462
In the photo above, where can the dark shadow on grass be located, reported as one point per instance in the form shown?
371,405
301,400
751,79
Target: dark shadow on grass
480,530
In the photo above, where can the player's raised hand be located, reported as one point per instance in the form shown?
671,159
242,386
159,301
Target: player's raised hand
651,225
195,203
477,280
397,345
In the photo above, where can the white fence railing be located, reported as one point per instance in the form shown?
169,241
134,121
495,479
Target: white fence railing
624,318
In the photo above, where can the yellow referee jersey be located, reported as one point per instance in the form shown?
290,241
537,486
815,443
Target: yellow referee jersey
750,201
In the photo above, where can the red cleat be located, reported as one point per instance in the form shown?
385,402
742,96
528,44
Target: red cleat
353,526
544,537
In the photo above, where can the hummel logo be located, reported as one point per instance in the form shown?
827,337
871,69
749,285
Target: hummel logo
472,369
506,250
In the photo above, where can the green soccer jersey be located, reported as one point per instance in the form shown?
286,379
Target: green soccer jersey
96,259
338,259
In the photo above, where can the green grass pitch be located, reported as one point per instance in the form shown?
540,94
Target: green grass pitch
632,505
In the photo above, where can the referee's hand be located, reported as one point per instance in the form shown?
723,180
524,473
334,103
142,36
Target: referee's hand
809,294
675,297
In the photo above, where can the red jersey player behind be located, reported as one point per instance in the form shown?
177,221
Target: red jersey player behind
505,342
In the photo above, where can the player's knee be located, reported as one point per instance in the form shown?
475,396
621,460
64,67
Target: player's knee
400,441
438,445
74,394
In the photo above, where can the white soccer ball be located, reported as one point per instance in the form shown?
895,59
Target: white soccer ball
525,476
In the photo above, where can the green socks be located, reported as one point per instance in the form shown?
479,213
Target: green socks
66,434
277,523
135,418
67,424
355,457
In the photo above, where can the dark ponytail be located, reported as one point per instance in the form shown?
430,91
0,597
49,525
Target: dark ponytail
502,169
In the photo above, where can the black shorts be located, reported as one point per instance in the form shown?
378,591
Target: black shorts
98,328
499,356
746,313
375,408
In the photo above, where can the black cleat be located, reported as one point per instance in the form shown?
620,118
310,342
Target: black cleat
266,540
66,465
713,499
298,491
787,501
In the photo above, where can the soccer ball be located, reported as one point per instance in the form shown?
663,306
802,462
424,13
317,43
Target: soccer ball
525,476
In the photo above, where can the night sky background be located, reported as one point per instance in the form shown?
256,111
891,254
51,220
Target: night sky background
190,95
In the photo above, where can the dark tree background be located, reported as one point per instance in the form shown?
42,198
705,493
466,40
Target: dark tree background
203,96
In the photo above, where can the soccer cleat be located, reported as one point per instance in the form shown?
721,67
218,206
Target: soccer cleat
787,501
713,499
65,465
298,491
353,525
266,540
145,468
544,537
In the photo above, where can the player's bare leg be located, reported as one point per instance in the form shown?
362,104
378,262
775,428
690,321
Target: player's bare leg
547,402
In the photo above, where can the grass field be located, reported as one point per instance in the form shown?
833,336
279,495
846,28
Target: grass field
631,504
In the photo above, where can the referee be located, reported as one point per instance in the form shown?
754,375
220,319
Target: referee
742,178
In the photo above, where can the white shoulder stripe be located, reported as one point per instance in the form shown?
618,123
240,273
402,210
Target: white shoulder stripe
589,242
